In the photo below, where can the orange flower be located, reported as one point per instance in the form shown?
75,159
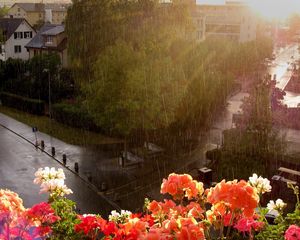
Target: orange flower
10,201
180,185
236,195
190,230
154,207
194,210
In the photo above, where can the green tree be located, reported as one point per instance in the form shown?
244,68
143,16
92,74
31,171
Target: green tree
3,11
132,90
44,68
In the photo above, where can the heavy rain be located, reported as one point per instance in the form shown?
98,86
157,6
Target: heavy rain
120,94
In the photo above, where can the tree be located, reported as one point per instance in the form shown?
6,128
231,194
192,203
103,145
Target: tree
40,68
255,144
130,90
3,11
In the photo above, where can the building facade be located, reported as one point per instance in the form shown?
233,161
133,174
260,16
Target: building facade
37,13
232,20
50,39
16,34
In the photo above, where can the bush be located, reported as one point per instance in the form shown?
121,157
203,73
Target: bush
74,116
29,105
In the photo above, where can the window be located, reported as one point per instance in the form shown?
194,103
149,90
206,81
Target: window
19,9
18,49
27,34
49,39
18,35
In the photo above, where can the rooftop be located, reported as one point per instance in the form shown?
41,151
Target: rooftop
47,29
37,7
9,25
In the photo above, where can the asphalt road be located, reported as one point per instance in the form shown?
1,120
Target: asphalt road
18,162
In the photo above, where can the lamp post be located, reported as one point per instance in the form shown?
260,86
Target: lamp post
49,91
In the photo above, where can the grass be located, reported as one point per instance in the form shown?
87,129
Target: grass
65,133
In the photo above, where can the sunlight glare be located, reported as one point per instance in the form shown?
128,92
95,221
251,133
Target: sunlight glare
275,9
270,9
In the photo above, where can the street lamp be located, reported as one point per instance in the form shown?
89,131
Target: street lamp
49,90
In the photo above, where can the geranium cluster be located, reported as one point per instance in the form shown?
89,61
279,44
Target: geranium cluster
229,210
52,181
16,222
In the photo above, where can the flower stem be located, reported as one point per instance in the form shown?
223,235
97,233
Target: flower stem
230,223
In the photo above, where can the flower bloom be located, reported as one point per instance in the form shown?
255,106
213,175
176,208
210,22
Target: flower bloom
261,184
292,233
248,224
182,185
119,217
90,225
10,201
47,174
236,195
278,206
43,213
52,181
32,223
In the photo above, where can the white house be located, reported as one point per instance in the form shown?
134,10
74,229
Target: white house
16,34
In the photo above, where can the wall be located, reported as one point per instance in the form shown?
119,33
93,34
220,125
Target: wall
11,42
235,22
58,17
17,12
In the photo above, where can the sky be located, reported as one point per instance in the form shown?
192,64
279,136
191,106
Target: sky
269,8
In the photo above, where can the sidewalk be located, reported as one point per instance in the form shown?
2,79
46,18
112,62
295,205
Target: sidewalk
22,133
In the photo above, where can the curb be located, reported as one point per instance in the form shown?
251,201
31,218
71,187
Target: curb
90,185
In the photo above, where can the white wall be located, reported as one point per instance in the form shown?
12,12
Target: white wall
11,42
248,28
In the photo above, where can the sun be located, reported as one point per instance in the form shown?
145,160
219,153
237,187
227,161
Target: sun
275,9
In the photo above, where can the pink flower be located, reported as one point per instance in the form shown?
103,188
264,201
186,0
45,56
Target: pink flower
248,224
293,233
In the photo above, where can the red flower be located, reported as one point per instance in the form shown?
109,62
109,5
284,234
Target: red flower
90,224
109,228
43,213
293,233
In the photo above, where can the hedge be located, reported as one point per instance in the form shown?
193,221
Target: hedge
74,116
25,104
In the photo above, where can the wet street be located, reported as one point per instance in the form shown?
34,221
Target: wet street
19,160
125,186
282,68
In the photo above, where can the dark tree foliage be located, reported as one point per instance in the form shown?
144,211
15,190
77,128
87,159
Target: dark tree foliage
31,78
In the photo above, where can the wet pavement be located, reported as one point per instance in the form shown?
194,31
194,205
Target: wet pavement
282,67
19,159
